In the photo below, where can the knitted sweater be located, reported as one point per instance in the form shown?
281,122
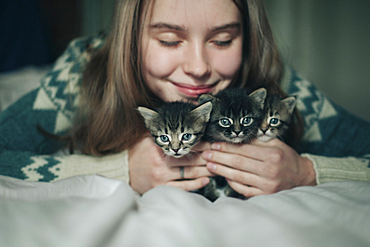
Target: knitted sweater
335,141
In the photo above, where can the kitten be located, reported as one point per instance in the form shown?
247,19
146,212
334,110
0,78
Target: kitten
177,126
278,117
236,115
235,118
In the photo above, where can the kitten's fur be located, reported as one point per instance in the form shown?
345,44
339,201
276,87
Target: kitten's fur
235,118
278,118
177,126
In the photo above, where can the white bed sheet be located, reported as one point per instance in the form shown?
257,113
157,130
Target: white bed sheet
96,211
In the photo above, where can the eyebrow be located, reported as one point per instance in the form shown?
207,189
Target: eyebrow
163,25
227,26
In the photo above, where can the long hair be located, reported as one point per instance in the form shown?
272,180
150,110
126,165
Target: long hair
113,87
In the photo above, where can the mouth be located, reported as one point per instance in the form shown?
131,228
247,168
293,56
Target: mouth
194,91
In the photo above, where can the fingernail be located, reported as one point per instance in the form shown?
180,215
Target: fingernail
207,155
216,146
211,166
205,181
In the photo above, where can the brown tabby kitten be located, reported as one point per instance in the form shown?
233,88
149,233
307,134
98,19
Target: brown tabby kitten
177,126
235,118
278,115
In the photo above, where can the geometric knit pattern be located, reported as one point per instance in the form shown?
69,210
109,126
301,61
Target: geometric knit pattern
26,154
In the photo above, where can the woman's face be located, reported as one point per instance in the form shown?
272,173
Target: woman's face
191,47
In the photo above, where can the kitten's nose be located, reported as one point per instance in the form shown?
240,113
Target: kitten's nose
264,131
176,150
237,132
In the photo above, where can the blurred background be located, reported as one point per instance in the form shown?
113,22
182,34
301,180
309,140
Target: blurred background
326,41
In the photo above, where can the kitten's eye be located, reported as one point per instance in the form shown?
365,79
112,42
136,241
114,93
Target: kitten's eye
274,121
224,122
186,137
247,121
164,138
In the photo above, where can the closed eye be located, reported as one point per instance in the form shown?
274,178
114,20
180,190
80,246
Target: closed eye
170,44
223,43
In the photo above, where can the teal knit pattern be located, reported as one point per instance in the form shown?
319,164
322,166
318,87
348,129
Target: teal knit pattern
26,154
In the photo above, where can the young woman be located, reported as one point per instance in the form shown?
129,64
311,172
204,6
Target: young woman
167,50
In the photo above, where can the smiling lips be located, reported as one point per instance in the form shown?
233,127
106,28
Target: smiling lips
194,91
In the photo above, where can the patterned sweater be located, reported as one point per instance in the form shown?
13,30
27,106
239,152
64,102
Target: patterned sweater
335,141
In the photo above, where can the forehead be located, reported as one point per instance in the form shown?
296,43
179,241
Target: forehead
187,13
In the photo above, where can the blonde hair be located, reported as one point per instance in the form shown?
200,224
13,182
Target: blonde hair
113,86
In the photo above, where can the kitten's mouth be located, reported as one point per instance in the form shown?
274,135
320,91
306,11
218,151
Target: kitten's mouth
194,91
236,140
264,137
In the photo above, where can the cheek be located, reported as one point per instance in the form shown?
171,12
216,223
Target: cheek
228,63
158,64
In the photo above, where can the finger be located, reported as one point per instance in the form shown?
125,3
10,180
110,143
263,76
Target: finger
256,152
201,146
245,178
271,143
245,190
236,161
190,185
191,159
190,172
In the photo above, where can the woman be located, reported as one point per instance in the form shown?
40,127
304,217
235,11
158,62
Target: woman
168,50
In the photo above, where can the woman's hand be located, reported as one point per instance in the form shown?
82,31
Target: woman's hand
150,167
260,167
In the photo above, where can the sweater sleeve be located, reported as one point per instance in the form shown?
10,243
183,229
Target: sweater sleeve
27,154
336,141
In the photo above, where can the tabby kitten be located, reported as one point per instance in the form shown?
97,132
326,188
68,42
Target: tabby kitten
235,118
278,118
177,126
236,115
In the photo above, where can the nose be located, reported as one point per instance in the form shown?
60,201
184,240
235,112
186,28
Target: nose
237,132
196,63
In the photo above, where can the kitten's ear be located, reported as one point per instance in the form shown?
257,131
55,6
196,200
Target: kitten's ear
147,114
259,96
203,111
205,98
290,103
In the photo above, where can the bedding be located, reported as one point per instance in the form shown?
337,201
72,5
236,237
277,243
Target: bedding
92,210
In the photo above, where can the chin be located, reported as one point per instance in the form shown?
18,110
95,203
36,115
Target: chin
264,138
237,140
177,156
234,140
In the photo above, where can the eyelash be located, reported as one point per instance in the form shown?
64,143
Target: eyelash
174,44
223,43
169,44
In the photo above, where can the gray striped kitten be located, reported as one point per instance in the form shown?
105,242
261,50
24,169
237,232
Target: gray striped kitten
278,114
177,126
235,118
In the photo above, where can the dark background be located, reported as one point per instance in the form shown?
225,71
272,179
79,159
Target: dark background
35,32
326,41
